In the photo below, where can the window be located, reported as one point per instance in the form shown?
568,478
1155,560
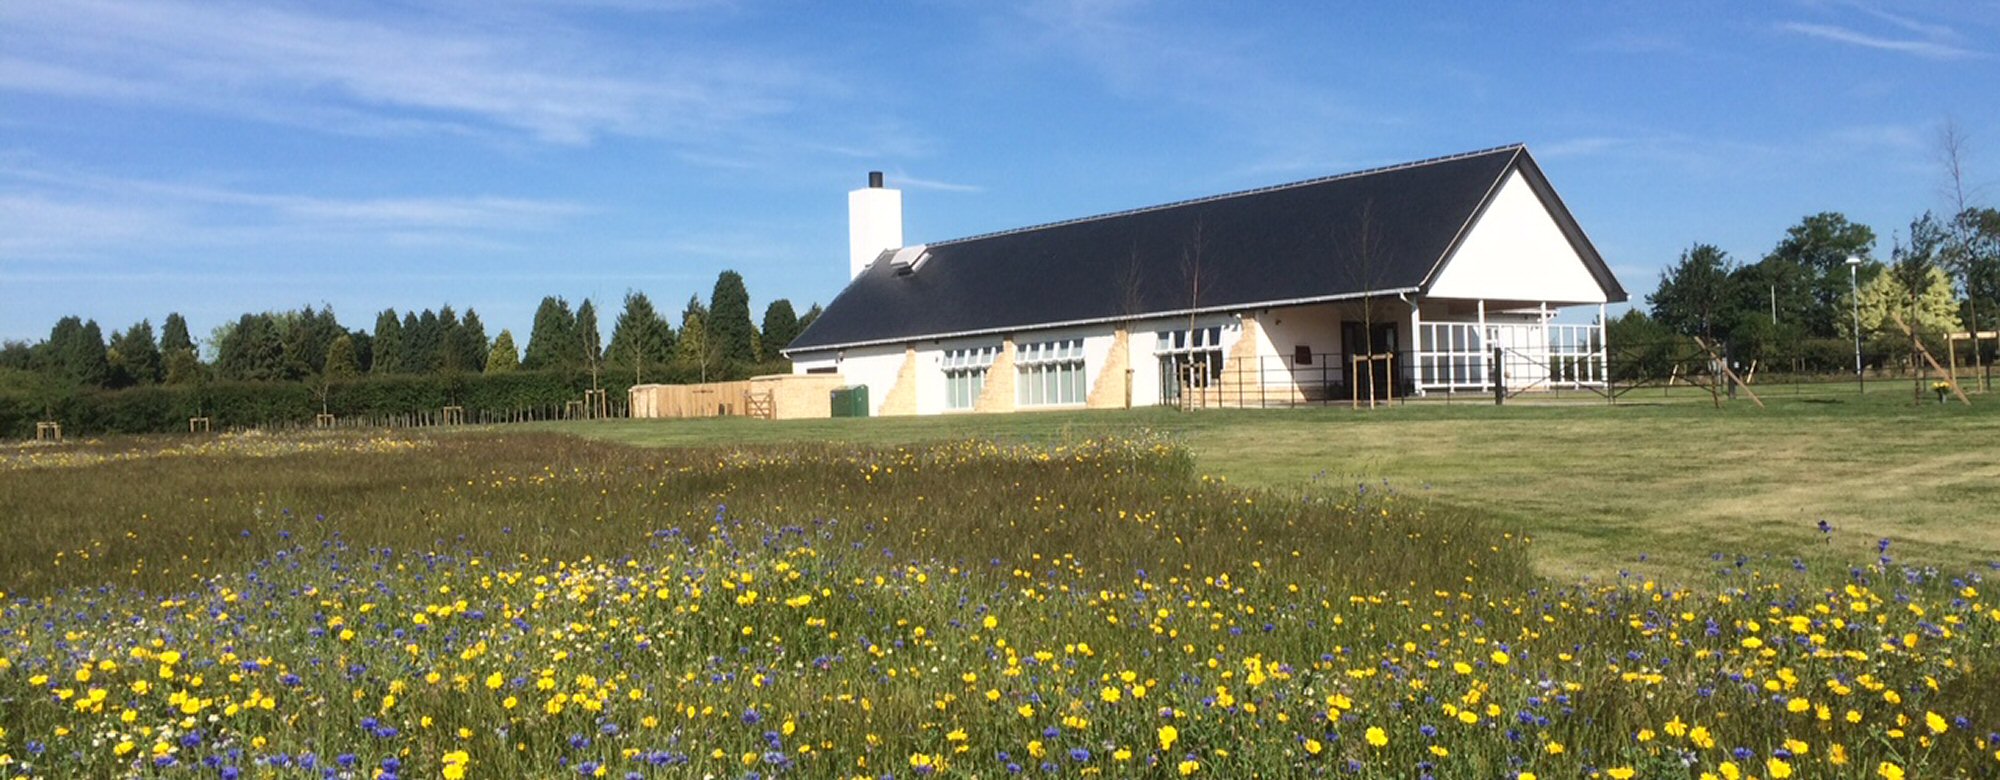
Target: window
1050,372
1188,358
965,375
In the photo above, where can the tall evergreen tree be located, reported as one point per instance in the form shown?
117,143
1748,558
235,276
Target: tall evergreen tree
728,319
139,360
502,358
174,334
341,360
423,342
641,340
781,325
364,349
308,334
589,346
552,343
468,342
388,337
75,353
179,360
806,320
252,350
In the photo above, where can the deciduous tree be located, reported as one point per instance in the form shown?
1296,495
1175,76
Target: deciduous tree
695,348
1820,245
1695,295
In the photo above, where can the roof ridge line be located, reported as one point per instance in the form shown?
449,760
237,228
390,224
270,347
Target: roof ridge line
1237,194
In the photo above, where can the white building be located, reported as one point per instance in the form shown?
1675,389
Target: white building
1397,281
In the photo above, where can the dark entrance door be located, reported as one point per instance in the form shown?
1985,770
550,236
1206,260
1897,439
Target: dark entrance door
1375,376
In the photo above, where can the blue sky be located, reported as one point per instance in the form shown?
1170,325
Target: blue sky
214,157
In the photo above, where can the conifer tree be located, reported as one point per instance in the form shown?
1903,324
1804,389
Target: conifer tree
781,325
641,340
552,343
589,346
341,361
502,359
728,319
139,361
468,342
174,334
252,350
75,353
388,338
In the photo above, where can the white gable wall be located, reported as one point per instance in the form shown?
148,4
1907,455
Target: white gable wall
1515,251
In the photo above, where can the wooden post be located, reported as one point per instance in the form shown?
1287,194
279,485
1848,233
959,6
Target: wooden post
49,431
1931,361
323,420
198,425
1726,372
1499,373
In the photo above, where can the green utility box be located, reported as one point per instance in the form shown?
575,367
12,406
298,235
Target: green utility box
850,401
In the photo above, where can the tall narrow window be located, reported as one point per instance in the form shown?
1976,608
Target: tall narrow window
965,375
1050,372
1188,359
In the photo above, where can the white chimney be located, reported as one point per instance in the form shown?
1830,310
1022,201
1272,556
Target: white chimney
874,223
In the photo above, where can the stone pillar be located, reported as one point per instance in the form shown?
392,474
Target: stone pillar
902,397
1242,382
1110,391
998,394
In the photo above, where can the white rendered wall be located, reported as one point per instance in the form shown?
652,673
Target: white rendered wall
874,223
875,367
1517,252
804,364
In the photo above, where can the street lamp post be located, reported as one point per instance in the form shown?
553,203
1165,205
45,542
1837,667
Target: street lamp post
1854,285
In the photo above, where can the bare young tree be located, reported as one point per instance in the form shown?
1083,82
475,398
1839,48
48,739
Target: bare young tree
1958,255
1360,248
1195,275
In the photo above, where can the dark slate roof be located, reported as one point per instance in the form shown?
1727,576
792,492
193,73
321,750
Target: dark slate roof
1380,231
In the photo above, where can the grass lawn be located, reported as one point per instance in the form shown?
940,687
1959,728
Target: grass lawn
1655,483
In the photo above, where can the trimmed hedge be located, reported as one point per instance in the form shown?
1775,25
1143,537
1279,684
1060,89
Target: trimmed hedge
166,408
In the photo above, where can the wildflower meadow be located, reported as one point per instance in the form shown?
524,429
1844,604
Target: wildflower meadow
492,605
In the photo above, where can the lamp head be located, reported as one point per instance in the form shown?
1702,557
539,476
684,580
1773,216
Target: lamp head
1853,260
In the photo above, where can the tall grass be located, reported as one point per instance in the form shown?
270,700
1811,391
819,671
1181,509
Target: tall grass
515,606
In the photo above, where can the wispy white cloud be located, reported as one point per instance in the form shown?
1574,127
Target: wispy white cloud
407,74
1933,45
916,183
53,215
